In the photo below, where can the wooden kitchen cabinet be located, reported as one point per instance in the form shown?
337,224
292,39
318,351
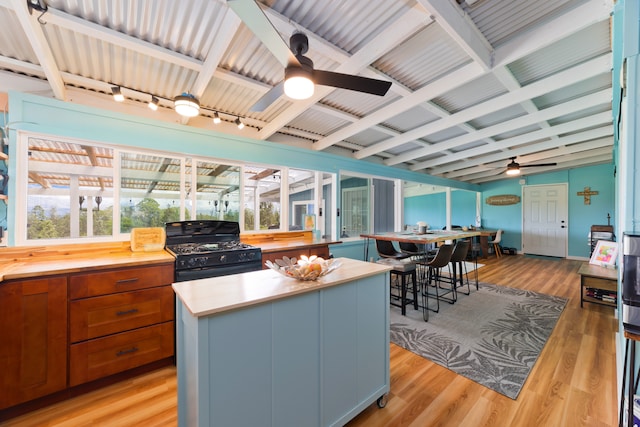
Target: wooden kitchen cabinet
33,338
119,319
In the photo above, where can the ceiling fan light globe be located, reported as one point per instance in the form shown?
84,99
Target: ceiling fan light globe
298,83
513,171
186,105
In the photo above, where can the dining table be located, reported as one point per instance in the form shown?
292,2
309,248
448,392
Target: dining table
430,236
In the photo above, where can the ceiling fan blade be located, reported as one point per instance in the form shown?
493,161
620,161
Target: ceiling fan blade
538,165
348,81
254,18
268,98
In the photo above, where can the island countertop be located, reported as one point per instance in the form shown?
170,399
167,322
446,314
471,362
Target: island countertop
204,297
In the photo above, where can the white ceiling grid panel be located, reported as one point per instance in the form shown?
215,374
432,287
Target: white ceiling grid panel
445,114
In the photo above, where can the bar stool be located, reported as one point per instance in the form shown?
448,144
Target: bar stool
400,270
433,266
413,251
458,258
386,249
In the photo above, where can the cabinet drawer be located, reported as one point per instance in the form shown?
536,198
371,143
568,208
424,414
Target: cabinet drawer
110,314
120,280
595,282
101,357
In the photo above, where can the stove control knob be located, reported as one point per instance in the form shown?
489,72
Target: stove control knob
242,256
191,262
223,258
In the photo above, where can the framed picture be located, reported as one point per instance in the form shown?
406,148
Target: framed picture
605,254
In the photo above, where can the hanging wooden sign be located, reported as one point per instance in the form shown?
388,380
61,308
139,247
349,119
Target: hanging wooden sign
502,200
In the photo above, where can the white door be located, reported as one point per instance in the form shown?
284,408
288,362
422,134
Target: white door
544,230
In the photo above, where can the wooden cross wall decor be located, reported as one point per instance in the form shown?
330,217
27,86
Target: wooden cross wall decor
587,193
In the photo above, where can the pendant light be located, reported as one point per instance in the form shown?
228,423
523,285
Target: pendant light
186,105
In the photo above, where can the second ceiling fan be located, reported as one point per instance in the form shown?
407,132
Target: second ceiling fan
513,168
300,76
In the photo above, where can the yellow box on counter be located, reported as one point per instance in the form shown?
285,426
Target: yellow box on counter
149,239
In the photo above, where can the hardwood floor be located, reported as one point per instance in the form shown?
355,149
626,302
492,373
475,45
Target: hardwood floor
572,384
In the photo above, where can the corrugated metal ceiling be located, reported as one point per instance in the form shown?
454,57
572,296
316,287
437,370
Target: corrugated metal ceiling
432,51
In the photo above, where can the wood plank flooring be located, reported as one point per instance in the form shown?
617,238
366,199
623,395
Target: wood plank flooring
572,384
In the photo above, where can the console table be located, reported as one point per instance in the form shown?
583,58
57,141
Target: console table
601,279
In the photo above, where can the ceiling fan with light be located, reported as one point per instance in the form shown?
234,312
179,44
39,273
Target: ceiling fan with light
513,168
299,75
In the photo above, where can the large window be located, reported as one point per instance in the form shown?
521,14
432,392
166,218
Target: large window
262,194
80,191
149,190
67,200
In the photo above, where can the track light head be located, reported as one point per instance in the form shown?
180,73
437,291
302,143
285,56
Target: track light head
239,123
117,94
153,104
216,118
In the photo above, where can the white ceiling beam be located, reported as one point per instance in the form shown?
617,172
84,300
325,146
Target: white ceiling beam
599,119
457,24
589,161
575,105
219,43
432,90
97,31
562,27
557,81
543,151
576,19
38,41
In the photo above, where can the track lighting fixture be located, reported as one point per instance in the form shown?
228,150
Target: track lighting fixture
187,105
153,104
117,94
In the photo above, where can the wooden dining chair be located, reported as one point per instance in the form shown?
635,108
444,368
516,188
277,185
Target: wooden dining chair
496,243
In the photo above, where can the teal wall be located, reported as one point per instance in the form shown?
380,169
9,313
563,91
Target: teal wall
429,208
432,209
52,117
509,218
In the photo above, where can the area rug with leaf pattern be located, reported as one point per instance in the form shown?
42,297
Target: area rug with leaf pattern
492,336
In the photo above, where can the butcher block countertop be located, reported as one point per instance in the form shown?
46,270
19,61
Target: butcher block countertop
279,241
214,295
25,262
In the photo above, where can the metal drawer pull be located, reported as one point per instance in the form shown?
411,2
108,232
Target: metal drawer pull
121,281
127,351
124,312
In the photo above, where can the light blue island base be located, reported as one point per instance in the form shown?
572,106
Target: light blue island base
311,356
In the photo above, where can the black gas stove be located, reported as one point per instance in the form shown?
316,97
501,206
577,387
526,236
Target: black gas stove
209,249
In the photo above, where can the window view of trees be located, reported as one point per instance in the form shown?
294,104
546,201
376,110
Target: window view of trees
73,192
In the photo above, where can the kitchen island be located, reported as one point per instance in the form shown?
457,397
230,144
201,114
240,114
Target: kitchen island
261,349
